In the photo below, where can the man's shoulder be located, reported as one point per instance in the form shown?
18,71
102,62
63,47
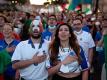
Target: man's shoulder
86,33
23,43
16,41
46,42
46,32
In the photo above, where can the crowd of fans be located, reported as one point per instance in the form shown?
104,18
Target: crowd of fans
55,34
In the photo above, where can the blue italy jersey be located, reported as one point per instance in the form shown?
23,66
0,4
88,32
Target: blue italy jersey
98,36
47,35
3,45
86,28
84,62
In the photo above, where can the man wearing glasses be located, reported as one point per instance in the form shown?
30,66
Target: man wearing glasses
85,40
48,34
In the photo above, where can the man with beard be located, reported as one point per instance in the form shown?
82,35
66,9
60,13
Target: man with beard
85,41
30,56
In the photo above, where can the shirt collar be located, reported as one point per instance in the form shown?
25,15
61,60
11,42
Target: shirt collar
30,42
78,33
10,43
40,45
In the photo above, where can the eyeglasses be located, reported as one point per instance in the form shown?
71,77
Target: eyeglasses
77,24
52,19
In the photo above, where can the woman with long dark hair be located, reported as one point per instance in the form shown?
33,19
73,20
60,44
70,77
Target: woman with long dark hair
66,56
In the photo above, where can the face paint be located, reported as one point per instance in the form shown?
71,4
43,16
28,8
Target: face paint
35,22
35,32
34,25
35,28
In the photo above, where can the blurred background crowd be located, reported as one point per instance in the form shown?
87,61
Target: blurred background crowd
93,13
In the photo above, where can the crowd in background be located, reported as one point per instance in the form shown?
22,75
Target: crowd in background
15,27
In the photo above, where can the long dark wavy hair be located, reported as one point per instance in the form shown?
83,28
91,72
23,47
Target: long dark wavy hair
55,44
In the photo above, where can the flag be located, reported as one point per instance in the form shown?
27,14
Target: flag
74,4
87,1
78,8
5,59
88,11
105,48
70,6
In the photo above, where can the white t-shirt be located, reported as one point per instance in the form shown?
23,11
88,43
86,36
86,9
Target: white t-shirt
73,66
85,41
24,51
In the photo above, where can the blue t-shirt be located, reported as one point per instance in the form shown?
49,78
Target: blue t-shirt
46,35
9,71
98,36
86,28
84,64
